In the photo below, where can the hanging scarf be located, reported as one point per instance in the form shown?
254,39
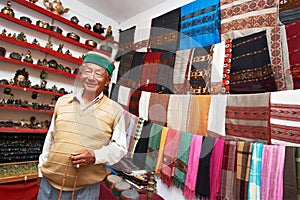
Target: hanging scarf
165,73
289,11
158,107
216,169
114,92
203,176
135,72
289,176
198,114
149,71
144,105
228,170
217,65
272,167
164,31
216,115
140,151
244,151
182,159
124,96
163,138
136,137
169,157
285,117
178,110
126,39
134,102
193,163
255,172
124,68
251,70
247,117
153,147
200,21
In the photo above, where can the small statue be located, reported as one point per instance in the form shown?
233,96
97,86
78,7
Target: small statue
21,78
55,7
33,1
14,36
35,42
43,85
4,32
21,36
68,52
49,45
109,32
60,47
98,28
27,57
8,10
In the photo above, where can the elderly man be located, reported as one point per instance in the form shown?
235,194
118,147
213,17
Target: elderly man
86,133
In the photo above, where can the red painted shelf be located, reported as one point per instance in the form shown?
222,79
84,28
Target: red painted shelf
63,20
17,108
42,49
49,32
31,90
27,64
21,130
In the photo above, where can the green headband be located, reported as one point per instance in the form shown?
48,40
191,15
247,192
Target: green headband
99,60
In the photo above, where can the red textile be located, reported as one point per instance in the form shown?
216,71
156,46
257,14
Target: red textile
149,71
19,190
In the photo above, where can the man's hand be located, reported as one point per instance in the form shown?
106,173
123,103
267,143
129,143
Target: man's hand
83,158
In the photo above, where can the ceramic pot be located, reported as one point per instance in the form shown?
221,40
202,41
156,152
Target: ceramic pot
74,19
73,36
91,43
26,19
97,28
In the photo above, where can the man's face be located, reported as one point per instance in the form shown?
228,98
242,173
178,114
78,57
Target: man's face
93,78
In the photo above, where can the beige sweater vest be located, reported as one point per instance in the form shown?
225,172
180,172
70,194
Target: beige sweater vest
77,130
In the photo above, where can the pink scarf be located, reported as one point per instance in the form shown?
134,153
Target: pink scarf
272,168
192,169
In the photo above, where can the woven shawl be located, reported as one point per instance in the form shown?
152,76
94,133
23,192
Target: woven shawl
163,138
114,92
149,71
200,74
203,176
216,115
169,156
242,15
289,174
289,11
124,68
178,112
193,164
228,170
165,73
130,126
181,71
164,31
134,102
285,117
153,146
136,137
200,21
298,171
135,72
140,151
124,96
272,167
255,171
251,70
216,169
293,40
144,105
217,65
158,107
247,117
244,151
182,159
126,39
198,114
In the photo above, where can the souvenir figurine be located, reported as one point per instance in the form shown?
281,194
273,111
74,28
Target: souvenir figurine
4,32
68,52
87,26
109,32
21,78
43,75
60,47
33,1
35,42
8,10
21,36
55,7
49,45
2,51
74,19
43,85
27,57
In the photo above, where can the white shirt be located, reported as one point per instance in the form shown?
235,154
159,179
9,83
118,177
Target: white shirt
109,154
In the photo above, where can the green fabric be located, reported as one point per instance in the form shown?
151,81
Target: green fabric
183,155
153,146
298,171
96,58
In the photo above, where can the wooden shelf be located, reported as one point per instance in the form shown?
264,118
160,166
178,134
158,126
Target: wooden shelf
49,32
27,64
30,90
22,130
63,20
42,49
17,108
22,177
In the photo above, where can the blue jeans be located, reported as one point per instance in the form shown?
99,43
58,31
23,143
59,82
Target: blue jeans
48,192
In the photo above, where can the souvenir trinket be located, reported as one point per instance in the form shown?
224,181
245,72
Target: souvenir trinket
88,26
97,28
2,51
21,78
15,55
8,10
27,57
73,36
91,43
26,19
74,19
55,7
